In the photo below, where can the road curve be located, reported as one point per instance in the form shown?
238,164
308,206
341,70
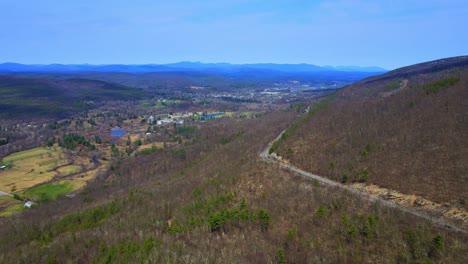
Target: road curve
268,158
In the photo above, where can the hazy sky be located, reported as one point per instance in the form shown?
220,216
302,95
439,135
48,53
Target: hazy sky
387,33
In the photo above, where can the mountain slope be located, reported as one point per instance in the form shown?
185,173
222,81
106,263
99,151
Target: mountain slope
405,130
219,203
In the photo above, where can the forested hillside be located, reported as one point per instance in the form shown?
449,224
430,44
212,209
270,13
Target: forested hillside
212,199
22,97
405,130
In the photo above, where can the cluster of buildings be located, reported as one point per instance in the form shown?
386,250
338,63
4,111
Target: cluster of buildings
177,118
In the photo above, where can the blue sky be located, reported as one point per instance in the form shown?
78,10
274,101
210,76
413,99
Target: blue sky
386,33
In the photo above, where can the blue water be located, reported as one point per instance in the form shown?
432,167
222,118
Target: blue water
213,115
117,132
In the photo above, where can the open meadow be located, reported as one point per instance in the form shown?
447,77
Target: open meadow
30,167
41,174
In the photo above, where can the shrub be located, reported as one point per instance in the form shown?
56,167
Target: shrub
362,175
352,232
280,256
437,246
345,178
264,219
321,211
292,232
369,226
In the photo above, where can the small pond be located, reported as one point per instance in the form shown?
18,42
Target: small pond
117,132
212,115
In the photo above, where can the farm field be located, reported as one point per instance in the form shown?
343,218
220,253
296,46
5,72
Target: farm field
33,174
30,167
49,191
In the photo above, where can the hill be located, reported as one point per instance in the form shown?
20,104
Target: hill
34,97
404,130
208,197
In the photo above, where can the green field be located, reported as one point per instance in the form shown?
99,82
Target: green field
10,210
48,191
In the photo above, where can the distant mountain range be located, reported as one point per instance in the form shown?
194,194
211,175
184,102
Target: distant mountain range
183,66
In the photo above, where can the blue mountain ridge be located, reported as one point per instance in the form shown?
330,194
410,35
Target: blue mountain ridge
182,66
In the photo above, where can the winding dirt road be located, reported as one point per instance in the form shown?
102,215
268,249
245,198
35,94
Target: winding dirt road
271,159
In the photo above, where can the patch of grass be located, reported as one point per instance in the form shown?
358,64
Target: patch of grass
48,162
9,205
48,191
26,154
149,151
12,209
160,105
147,105
69,169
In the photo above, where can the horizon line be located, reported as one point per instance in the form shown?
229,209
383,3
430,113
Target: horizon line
200,62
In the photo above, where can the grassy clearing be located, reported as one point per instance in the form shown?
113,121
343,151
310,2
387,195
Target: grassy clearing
27,154
54,162
69,169
10,206
13,209
36,166
160,105
153,144
6,201
147,105
83,178
247,114
49,191
30,167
